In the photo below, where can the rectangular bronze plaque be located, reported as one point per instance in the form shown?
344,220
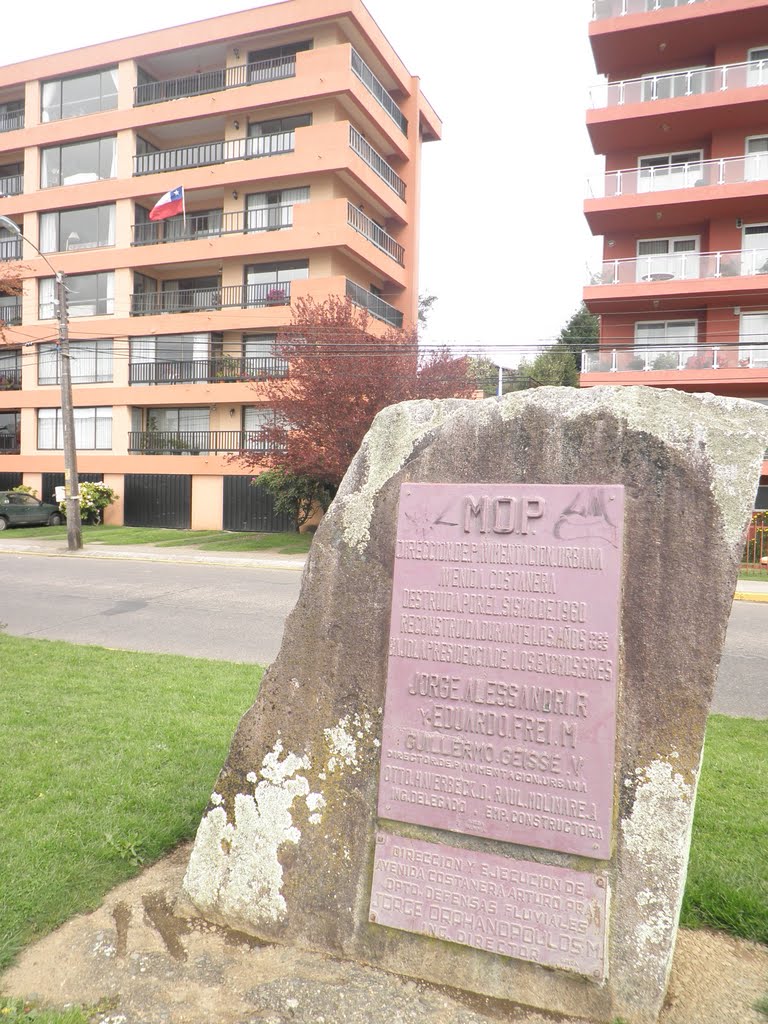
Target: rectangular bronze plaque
551,916
500,716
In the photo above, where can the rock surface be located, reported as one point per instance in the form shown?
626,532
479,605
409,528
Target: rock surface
284,851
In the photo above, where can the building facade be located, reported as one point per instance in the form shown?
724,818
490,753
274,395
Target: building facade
682,121
295,131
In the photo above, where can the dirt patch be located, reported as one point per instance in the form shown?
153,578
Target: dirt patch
156,968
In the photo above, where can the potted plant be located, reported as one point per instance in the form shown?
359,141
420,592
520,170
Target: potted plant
276,297
636,363
665,361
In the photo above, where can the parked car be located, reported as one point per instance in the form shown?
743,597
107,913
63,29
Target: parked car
18,509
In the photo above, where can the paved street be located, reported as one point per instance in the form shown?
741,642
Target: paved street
237,612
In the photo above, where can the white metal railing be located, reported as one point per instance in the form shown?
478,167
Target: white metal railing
632,181
679,84
641,359
379,92
618,8
683,266
374,233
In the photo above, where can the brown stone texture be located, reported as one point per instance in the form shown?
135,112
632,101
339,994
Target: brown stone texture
285,849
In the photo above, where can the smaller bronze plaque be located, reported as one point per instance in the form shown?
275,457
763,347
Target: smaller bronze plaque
548,915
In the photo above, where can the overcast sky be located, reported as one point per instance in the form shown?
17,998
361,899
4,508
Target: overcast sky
504,247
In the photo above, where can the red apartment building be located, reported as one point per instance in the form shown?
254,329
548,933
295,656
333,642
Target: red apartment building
682,121
296,132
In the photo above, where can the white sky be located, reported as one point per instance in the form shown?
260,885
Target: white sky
505,246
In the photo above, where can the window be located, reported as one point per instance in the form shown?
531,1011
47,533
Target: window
87,228
255,418
275,136
270,211
191,293
93,428
753,331
270,283
757,71
660,259
275,62
11,115
673,84
87,295
90,362
83,94
754,249
260,356
178,419
79,162
170,358
670,170
10,431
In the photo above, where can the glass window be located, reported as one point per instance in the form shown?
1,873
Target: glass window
79,162
279,124
10,431
87,295
87,228
90,362
270,211
93,428
83,94
270,283
178,419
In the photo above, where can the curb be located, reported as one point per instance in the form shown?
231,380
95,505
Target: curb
289,564
744,596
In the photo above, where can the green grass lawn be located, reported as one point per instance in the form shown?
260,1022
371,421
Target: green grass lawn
206,540
754,574
107,760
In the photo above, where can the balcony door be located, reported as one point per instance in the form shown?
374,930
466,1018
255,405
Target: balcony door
661,259
669,170
756,158
674,84
754,249
757,69
753,338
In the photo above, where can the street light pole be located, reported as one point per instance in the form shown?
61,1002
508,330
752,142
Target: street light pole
71,483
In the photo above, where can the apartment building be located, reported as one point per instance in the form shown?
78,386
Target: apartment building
682,121
295,131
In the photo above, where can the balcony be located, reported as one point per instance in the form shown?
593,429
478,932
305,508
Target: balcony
13,185
640,181
375,234
669,85
619,8
10,376
644,359
196,442
378,91
684,266
375,305
214,225
10,312
195,300
376,162
10,249
219,369
9,445
214,81
206,154
11,121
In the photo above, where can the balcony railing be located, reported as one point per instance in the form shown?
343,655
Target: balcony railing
640,359
10,313
192,300
218,369
378,91
10,249
618,8
214,81
375,234
214,225
10,378
9,445
684,266
637,181
205,154
375,305
376,162
12,121
12,185
196,442
679,84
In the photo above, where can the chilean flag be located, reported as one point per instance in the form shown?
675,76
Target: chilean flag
169,205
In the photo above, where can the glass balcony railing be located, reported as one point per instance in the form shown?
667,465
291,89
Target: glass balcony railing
205,154
374,233
684,266
378,91
640,180
680,84
202,82
641,359
618,8
376,162
376,306
195,300
12,185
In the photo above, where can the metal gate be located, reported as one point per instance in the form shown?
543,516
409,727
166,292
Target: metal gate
53,480
10,480
248,507
161,500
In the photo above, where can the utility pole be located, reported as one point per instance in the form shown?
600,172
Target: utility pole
71,484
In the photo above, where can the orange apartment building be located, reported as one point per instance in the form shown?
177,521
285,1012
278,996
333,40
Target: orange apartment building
682,121
295,131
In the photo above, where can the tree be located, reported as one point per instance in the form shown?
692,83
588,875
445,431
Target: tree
554,366
582,331
340,376
295,496
10,284
426,302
